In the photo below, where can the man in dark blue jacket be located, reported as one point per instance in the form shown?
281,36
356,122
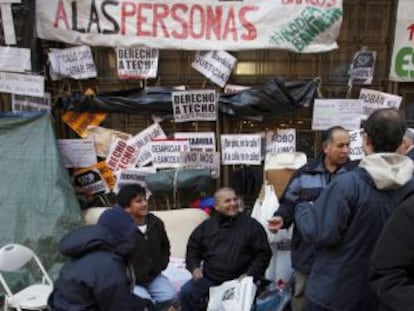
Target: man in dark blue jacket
347,218
96,276
306,185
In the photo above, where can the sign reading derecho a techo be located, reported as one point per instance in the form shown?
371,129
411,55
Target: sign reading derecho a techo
241,149
137,63
299,26
200,105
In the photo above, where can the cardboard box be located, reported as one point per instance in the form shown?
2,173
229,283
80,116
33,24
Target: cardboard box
279,178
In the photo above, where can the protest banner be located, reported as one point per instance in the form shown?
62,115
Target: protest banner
241,149
7,21
22,103
234,88
132,177
332,112
76,63
142,142
103,138
89,181
166,152
283,140
356,152
77,152
22,84
300,26
199,141
362,68
121,155
197,159
373,100
402,61
137,63
214,65
199,105
79,121
15,59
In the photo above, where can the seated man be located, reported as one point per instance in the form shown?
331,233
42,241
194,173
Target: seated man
152,248
96,276
227,246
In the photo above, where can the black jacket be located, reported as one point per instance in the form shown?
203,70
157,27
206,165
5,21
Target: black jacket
229,247
392,263
95,278
152,251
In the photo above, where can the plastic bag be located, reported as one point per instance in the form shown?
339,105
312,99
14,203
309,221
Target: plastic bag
274,299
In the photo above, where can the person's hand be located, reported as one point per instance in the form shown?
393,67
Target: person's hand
197,274
241,277
275,224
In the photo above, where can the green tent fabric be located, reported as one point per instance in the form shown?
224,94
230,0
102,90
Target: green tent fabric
38,204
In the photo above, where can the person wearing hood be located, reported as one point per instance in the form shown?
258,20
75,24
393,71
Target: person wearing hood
347,218
95,277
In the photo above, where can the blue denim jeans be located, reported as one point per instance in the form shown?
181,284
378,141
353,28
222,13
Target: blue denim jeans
194,294
158,291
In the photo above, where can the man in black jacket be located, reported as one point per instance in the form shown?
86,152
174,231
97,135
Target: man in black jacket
227,246
152,248
96,276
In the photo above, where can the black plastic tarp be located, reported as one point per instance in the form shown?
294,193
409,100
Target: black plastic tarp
275,96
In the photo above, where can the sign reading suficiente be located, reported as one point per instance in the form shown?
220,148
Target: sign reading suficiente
197,105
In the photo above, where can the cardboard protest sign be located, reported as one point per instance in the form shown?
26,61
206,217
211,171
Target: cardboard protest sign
199,141
30,103
79,122
299,26
22,84
362,67
332,112
215,65
241,149
402,62
77,152
103,138
142,142
166,152
200,105
356,152
121,155
15,59
373,100
76,63
281,141
137,63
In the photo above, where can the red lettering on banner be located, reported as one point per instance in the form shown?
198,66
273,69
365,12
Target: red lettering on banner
141,19
214,22
61,14
251,30
193,24
180,20
321,3
230,26
126,13
159,17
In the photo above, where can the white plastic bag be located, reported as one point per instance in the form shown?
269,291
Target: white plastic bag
232,295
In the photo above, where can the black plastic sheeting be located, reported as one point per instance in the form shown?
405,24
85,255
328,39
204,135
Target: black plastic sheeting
276,96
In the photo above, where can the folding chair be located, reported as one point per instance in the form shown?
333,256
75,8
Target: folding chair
33,297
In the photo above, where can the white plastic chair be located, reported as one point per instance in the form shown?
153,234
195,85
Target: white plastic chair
34,297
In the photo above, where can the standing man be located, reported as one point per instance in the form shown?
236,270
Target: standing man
227,246
152,249
347,218
305,186
407,145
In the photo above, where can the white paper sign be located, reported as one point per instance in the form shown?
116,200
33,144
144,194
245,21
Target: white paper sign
337,112
199,141
402,62
76,63
196,159
241,149
373,100
166,153
137,63
29,103
200,105
22,84
234,88
132,177
7,21
215,65
77,153
356,152
15,59
281,141
142,142
121,155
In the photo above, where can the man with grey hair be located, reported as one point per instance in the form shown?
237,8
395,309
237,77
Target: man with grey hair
407,145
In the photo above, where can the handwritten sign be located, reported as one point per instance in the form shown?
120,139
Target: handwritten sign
196,159
137,63
198,105
121,155
76,63
77,152
281,141
373,100
215,65
199,141
332,112
356,151
166,153
241,149
22,84
15,59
